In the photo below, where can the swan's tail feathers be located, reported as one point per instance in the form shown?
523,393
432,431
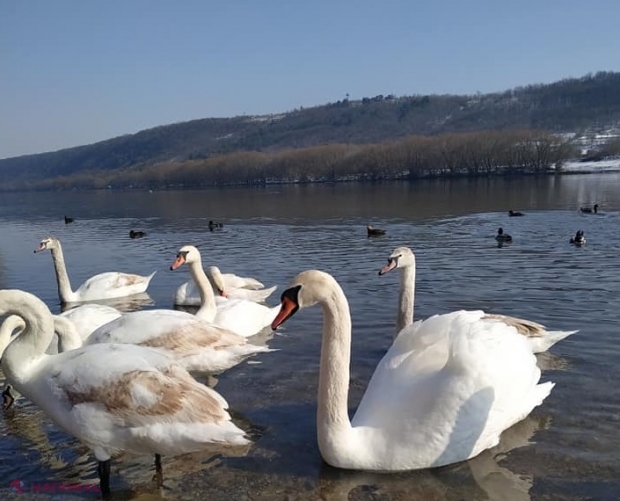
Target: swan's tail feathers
260,295
543,343
150,277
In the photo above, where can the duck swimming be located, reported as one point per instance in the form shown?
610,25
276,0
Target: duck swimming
589,210
502,237
513,213
578,239
374,232
137,234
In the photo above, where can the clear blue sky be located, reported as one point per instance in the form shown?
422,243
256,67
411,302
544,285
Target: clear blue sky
74,72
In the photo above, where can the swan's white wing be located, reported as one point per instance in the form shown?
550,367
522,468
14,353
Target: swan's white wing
197,345
232,281
89,317
113,284
123,397
446,391
245,318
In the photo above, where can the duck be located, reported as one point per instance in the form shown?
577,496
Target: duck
7,398
513,213
215,226
113,397
374,232
502,237
137,234
579,238
235,287
69,220
443,393
107,285
589,210
403,259
243,317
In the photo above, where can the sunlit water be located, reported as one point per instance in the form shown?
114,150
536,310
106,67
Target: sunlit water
567,449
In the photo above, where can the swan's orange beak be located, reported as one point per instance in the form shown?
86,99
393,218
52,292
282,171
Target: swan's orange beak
178,262
287,309
223,293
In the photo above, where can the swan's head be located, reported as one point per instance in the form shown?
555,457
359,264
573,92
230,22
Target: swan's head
187,254
306,289
217,280
48,243
402,257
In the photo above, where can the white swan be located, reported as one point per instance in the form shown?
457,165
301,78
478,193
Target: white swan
113,397
109,285
187,294
243,317
539,338
443,393
197,345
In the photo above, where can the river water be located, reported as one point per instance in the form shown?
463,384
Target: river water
568,448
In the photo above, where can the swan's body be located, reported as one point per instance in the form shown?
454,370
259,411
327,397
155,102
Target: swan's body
197,345
112,397
241,316
538,337
87,318
443,393
187,294
109,285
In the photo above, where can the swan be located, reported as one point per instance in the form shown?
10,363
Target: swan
187,294
195,344
443,393
108,285
243,317
113,397
403,258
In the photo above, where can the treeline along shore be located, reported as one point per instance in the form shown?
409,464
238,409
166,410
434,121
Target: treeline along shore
483,153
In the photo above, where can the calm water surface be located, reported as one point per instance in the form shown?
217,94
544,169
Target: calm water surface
568,448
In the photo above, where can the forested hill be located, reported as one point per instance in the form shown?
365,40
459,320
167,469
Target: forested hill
570,105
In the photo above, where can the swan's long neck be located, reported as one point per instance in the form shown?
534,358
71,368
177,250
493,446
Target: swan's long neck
33,341
406,298
68,336
7,328
208,308
64,286
332,413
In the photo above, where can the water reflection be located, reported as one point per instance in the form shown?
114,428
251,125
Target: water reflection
124,304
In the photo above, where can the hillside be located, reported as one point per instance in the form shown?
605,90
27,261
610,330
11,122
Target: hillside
571,105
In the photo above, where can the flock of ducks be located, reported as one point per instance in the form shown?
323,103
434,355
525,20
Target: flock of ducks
578,240
444,391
